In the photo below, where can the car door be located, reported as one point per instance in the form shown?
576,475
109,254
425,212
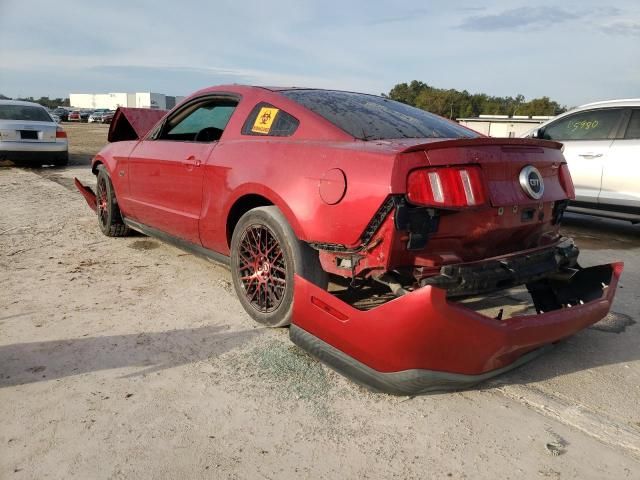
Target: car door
621,174
587,137
165,170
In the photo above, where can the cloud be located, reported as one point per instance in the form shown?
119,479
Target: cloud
519,18
630,29
409,16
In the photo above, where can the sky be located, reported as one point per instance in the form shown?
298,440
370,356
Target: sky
572,51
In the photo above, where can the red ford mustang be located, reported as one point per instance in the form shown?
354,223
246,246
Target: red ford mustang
362,222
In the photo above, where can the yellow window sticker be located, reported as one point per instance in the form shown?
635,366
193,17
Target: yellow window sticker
264,120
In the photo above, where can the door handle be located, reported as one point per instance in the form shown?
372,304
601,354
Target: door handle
191,161
590,155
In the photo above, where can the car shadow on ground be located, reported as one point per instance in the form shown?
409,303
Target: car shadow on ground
24,363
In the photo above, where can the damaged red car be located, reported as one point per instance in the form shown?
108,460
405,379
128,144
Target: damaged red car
375,229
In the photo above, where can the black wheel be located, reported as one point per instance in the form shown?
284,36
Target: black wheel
109,217
265,255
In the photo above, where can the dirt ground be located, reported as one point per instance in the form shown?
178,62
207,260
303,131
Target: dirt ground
128,358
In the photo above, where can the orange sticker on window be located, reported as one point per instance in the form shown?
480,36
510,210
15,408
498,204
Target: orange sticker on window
264,120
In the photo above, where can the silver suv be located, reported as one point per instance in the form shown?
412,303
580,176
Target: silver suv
602,147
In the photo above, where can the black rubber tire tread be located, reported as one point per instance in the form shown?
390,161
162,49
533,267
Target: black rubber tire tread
300,258
114,225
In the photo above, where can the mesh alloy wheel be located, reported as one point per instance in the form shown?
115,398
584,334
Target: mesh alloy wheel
102,201
262,268
265,257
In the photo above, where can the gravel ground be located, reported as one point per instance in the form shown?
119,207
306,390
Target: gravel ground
128,358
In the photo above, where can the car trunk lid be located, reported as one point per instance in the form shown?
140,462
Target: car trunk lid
133,123
501,161
27,131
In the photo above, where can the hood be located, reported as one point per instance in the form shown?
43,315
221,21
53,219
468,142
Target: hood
133,123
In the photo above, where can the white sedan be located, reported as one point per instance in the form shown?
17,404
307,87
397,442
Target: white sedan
28,134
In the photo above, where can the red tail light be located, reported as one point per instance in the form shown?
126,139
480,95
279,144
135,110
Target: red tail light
60,133
451,187
566,181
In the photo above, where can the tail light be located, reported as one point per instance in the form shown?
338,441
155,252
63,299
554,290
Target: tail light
450,187
566,181
60,133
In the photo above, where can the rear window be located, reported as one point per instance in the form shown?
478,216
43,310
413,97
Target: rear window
24,113
369,117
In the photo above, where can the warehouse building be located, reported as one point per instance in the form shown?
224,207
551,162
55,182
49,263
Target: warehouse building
112,101
503,125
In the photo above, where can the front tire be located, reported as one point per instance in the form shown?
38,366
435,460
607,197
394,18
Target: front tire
265,256
109,217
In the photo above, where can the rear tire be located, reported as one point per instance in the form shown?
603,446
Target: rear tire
109,217
265,256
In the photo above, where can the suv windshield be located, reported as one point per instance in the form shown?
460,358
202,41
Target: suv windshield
24,113
369,117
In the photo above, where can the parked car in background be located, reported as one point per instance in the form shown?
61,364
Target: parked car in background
62,113
602,147
107,117
406,213
29,134
78,116
74,116
96,116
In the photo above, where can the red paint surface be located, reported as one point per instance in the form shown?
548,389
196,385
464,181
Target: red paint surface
422,330
155,188
188,189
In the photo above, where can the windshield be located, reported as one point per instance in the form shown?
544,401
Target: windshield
369,117
24,113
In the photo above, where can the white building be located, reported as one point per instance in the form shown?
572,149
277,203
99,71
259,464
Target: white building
112,101
503,125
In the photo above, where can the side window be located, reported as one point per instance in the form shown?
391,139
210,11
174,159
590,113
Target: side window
203,122
633,129
590,125
267,120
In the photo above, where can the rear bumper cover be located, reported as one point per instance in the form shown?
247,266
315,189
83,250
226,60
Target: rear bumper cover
422,342
88,194
37,153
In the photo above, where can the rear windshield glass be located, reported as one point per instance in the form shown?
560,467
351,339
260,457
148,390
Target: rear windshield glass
24,112
368,117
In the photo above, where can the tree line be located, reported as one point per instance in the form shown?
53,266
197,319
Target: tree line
50,103
454,104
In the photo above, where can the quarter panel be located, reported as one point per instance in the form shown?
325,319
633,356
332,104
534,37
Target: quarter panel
288,174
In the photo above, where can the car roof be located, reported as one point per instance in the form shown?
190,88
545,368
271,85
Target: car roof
20,102
240,88
623,102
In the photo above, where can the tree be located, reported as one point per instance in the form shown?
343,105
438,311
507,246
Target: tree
50,103
453,103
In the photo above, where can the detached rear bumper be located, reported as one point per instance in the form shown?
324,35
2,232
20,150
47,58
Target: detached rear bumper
88,194
421,342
